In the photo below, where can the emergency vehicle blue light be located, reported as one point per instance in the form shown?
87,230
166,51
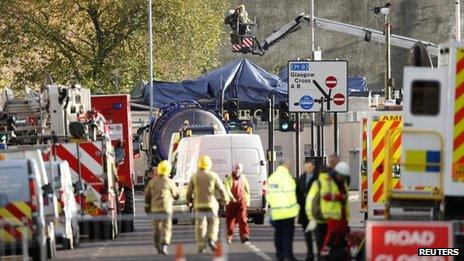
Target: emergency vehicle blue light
117,106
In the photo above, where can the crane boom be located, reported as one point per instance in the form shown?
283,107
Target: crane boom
367,33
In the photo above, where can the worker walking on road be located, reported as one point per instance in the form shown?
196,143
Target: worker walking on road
238,190
326,205
284,208
159,198
337,221
304,183
205,190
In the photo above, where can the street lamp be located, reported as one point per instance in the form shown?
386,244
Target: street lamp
150,62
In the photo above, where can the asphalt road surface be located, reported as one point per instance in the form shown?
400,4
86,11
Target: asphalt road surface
138,245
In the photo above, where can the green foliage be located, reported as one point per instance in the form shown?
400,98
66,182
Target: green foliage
102,44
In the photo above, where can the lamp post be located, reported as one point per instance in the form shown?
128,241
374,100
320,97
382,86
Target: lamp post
150,65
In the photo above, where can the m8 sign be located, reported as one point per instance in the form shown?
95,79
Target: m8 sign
401,241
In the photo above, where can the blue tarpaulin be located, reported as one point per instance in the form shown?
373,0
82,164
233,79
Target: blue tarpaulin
242,79
355,84
245,81
165,93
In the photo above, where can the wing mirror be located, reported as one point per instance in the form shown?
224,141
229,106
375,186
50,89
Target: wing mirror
79,187
47,190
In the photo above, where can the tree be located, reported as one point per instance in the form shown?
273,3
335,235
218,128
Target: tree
103,43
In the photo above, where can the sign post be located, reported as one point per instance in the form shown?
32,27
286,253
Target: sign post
401,240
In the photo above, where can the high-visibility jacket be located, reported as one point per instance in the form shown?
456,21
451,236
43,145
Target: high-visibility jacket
319,209
228,184
281,194
204,188
160,195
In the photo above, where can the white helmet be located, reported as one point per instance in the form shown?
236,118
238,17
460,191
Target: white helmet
342,168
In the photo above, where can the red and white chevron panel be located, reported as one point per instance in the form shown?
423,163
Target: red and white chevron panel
247,42
85,161
237,47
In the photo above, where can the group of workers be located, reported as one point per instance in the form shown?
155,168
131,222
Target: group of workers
318,197
205,193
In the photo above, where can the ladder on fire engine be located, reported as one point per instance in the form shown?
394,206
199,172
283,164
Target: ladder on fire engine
29,111
412,203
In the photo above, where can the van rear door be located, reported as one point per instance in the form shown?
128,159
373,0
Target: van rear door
247,149
219,149
15,209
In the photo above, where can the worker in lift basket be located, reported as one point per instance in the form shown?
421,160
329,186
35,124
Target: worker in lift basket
238,190
284,208
159,198
332,191
205,191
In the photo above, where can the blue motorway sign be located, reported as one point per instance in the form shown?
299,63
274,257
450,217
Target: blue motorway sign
303,66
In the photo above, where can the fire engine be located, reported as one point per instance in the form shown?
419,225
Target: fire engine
61,118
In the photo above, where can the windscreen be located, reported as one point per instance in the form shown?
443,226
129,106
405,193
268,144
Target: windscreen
14,185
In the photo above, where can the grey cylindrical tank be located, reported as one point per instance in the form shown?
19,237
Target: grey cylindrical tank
172,121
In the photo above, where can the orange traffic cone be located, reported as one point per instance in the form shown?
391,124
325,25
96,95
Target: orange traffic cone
180,254
218,255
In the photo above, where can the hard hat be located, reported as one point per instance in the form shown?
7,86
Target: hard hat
342,168
205,162
164,168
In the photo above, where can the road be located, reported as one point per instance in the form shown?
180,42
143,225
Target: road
138,245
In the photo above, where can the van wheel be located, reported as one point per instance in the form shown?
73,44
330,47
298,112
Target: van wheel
36,252
51,249
68,243
259,219
107,231
76,236
127,222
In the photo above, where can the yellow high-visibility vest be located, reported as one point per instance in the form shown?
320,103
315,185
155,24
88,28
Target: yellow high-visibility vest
281,195
327,209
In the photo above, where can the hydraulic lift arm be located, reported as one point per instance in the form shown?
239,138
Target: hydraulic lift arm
367,33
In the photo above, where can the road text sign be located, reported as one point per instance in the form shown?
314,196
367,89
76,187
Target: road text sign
401,240
312,84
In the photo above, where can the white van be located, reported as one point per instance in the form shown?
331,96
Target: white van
50,202
67,227
225,150
21,205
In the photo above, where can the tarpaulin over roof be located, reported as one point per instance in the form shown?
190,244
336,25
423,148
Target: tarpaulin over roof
165,93
246,81
242,79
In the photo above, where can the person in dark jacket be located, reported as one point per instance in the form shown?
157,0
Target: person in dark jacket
304,183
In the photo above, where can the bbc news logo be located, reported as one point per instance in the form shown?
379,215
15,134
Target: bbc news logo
438,251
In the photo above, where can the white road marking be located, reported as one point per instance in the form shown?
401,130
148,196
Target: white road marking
258,251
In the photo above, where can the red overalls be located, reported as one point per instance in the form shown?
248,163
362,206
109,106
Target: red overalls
236,212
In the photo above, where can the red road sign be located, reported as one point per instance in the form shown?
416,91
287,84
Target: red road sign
331,82
339,99
390,240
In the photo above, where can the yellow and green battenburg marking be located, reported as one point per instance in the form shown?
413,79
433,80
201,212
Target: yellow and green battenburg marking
422,160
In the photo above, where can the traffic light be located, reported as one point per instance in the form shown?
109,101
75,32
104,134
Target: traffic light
232,107
285,122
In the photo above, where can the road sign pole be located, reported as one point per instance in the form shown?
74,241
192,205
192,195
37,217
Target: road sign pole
150,62
336,134
270,150
297,146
